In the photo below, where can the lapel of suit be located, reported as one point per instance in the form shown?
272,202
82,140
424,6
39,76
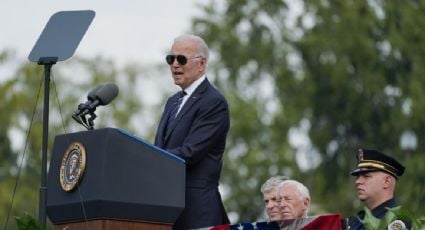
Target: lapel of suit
160,136
196,95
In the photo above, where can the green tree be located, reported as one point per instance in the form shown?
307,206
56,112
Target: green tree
305,91
22,106
341,74
5,148
366,82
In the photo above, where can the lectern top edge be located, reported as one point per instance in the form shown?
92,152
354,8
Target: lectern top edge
152,146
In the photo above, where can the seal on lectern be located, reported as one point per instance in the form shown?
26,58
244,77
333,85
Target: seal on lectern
72,166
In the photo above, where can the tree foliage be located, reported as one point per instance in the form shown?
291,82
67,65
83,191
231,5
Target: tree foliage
306,90
308,82
22,114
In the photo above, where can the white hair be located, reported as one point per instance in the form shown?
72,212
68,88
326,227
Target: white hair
302,189
202,46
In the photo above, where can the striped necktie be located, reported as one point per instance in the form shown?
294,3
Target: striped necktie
174,109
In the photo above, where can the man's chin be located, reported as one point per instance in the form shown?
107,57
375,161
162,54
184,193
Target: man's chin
177,82
287,217
361,196
275,218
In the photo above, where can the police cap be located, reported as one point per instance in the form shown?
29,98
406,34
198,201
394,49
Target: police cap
372,160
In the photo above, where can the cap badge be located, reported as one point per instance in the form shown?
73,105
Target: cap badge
361,154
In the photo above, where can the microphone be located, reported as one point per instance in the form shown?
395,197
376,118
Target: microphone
90,98
92,94
101,95
107,93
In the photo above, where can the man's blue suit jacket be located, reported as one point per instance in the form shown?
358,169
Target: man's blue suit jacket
199,137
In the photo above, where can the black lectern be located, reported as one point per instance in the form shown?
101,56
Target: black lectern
123,181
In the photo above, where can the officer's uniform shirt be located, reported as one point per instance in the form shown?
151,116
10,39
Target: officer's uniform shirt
378,212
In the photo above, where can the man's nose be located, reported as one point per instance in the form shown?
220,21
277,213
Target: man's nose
269,204
282,204
175,62
358,181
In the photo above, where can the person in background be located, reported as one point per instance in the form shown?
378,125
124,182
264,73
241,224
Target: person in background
194,126
293,200
269,191
377,174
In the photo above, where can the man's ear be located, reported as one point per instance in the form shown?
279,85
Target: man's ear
389,181
306,201
202,64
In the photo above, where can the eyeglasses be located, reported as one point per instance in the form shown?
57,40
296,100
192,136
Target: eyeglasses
181,59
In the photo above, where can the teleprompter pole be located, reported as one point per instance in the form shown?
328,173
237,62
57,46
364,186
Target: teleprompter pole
48,63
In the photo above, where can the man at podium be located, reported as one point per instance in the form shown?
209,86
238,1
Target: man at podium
194,126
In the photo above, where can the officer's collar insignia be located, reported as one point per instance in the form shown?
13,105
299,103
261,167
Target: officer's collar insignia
397,225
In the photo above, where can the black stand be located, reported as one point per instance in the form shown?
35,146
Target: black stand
82,120
48,63
57,42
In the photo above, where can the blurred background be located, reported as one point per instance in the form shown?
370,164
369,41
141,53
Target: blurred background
308,83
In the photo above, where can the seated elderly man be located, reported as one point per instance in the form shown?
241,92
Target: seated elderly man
293,199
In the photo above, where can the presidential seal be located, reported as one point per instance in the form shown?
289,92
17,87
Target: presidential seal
73,166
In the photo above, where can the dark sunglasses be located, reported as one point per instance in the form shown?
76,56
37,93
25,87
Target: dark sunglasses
181,59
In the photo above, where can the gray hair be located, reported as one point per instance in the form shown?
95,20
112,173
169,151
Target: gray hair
302,189
202,46
273,182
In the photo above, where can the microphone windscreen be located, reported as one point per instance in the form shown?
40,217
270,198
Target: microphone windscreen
92,94
107,93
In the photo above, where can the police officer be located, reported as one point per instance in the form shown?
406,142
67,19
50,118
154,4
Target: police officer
376,174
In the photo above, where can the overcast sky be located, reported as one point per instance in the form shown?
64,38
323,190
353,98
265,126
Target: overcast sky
125,30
